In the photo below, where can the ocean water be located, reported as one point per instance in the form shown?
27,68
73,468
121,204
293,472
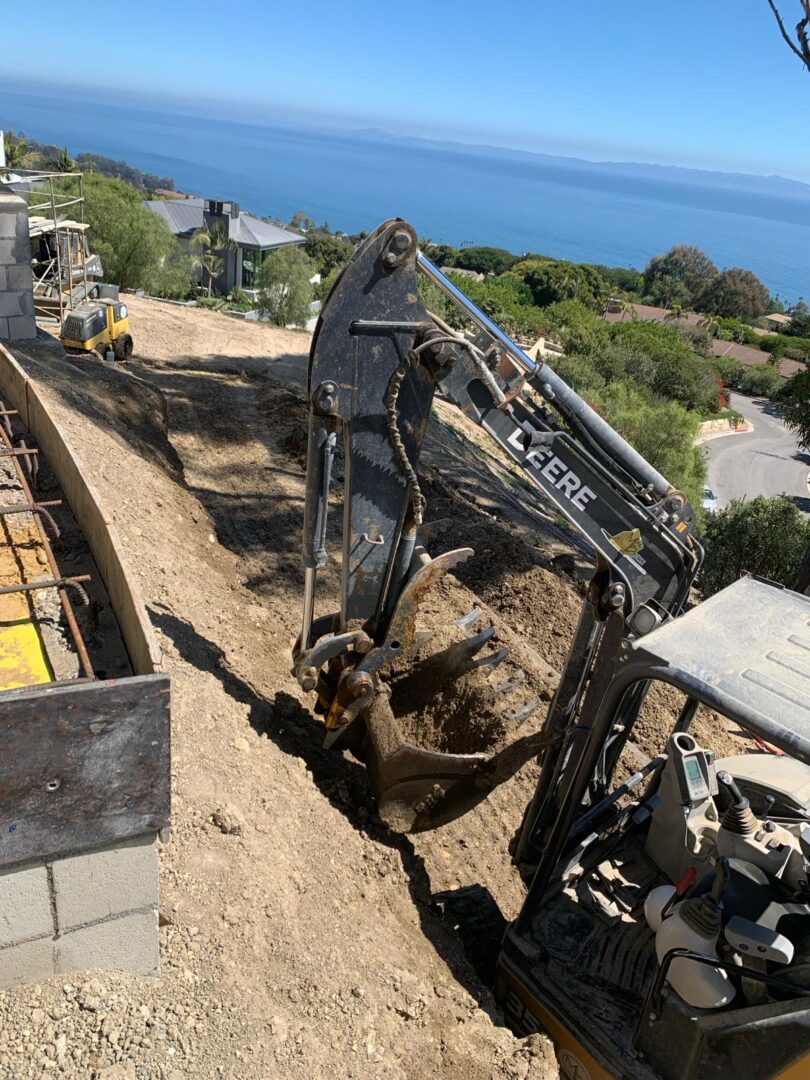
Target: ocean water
450,193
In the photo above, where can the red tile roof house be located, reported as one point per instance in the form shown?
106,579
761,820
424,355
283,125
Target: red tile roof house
744,353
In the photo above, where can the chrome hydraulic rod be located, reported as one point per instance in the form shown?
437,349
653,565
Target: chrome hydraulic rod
566,400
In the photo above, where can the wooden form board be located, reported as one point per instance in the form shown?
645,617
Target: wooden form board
83,766
23,394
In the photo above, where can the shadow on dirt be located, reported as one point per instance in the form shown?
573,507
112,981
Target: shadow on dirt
464,926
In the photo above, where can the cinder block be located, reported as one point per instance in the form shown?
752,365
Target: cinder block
25,905
105,883
26,300
21,327
26,963
129,943
3,278
8,250
8,221
4,330
11,303
19,277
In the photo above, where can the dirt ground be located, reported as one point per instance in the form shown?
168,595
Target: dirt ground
298,934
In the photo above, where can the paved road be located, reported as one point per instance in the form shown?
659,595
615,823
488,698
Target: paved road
765,461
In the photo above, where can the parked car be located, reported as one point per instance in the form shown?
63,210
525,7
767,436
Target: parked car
709,503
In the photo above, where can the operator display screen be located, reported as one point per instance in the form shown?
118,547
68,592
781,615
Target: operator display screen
693,770
695,780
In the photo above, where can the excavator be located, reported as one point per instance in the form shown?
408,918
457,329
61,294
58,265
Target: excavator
665,930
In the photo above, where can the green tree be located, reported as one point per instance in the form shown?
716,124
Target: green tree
736,292
620,278
679,275
302,222
327,252
797,407
133,242
439,254
485,260
286,291
16,148
799,325
553,280
763,536
209,247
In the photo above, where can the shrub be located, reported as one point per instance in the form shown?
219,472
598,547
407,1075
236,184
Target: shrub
782,345
763,536
575,326
735,330
762,380
658,357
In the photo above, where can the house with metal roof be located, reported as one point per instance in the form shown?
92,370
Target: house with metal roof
247,238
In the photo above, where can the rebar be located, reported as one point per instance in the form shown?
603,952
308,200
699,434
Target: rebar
7,449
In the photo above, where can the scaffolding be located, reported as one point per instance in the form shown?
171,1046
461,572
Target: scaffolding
61,259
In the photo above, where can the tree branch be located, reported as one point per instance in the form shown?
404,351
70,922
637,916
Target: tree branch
802,49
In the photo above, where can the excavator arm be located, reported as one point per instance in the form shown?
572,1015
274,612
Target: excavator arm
378,357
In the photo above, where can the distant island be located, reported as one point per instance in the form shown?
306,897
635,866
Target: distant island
749,182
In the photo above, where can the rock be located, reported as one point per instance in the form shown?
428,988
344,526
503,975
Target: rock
229,820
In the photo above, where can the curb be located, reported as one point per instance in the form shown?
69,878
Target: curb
711,435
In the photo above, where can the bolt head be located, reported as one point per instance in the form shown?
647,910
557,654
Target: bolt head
400,241
390,260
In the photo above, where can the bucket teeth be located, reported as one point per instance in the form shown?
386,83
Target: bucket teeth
493,660
467,622
474,644
523,712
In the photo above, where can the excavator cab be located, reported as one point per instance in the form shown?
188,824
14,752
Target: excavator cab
666,927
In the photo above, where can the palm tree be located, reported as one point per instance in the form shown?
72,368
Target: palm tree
209,244
64,162
711,324
16,149
675,313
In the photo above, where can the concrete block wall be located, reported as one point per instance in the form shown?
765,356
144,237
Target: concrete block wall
98,910
16,281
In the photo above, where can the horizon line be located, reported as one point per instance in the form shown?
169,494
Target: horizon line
350,123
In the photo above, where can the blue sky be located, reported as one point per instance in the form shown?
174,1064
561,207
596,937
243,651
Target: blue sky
707,83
